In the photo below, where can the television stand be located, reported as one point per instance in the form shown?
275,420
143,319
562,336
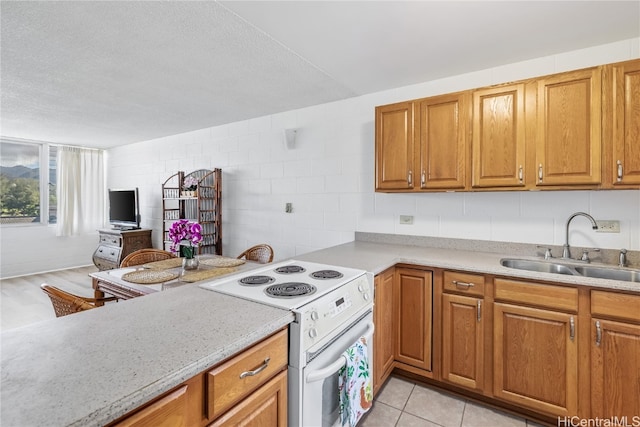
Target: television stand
115,244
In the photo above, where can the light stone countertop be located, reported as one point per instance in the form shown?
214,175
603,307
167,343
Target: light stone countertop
376,257
90,368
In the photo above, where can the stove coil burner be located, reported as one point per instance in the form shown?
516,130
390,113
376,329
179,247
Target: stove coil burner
290,269
326,274
256,280
290,290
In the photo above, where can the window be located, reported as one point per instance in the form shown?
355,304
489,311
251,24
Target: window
27,182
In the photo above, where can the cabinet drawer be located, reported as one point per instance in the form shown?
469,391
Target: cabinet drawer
108,253
468,284
110,240
225,387
531,293
613,304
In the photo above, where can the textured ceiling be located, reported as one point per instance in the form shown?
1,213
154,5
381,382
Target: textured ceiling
104,74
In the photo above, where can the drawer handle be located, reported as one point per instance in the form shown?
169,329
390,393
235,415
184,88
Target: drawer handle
465,284
257,371
619,175
598,333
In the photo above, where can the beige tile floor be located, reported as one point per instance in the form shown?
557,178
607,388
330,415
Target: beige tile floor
403,403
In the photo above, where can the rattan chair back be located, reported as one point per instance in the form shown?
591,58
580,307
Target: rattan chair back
143,256
261,253
65,303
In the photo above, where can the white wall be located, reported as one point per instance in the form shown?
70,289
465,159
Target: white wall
329,178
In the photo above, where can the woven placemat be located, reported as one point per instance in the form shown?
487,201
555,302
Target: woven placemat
165,264
147,277
222,262
197,275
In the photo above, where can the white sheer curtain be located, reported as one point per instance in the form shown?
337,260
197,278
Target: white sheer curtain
81,190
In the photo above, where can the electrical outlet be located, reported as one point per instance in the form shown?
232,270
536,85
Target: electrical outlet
288,208
406,219
608,226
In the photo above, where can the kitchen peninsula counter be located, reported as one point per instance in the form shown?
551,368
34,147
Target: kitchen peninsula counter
90,368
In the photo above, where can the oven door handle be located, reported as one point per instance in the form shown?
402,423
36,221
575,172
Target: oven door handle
321,374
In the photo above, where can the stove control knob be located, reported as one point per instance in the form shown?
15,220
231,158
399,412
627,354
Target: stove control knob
365,296
313,333
361,288
314,315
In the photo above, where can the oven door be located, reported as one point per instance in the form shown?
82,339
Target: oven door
321,402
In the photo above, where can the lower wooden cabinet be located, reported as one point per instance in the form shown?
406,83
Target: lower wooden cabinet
535,358
535,346
463,325
413,295
383,337
463,341
222,397
615,356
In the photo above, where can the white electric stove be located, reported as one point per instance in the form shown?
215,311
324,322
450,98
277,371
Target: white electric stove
333,308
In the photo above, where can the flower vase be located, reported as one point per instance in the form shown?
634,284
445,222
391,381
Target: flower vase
190,263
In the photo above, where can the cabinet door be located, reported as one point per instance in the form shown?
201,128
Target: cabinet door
535,358
179,408
615,374
412,300
394,147
626,122
568,146
266,407
383,336
443,146
499,137
462,341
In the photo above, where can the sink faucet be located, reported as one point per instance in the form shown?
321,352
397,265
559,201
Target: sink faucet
566,253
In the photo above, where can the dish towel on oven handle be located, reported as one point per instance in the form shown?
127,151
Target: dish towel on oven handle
354,384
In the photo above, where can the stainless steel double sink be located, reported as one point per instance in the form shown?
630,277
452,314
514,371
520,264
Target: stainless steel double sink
586,270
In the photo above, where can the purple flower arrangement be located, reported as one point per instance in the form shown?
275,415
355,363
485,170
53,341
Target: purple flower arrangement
190,184
185,230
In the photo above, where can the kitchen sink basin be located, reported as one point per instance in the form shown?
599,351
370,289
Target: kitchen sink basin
586,270
608,273
540,266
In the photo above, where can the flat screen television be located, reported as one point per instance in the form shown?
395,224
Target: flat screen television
124,209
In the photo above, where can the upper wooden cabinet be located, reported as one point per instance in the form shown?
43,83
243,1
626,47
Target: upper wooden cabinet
568,145
622,121
394,147
499,136
573,130
442,129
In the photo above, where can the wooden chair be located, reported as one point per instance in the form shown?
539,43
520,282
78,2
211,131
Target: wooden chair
66,303
143,256
261,253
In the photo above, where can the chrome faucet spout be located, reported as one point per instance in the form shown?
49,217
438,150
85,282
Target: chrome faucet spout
566,253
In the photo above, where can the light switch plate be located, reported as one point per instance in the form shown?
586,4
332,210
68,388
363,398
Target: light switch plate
608,226
406,219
